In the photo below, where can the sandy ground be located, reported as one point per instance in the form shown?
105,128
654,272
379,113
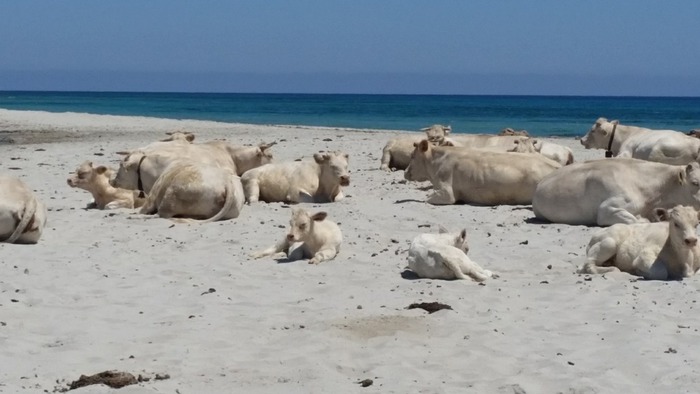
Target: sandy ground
102,291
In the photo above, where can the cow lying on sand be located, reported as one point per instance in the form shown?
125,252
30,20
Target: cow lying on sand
197,191
444,256
478,177
608,191
310,237
561,154
660,251
140,168
96,181
319,180
397,152
663,146
22,215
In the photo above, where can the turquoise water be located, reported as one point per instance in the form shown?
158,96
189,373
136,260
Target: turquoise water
540,115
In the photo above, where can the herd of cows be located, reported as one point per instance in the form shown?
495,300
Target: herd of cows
646,195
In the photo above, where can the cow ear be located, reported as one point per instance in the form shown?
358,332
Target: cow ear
347,156
516,142
600,121
462,236
682,174
123,153
447,129
442,230
189,137
101,169
425,129
318,158
424,146
319,216
661,214
615,122
259,152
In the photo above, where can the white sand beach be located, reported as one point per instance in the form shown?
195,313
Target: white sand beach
104,291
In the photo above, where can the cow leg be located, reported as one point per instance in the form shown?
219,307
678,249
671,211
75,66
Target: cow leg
386,159
647,265
298,251
475,271
598,254
442,196
323,255
611,212
278,248
251,189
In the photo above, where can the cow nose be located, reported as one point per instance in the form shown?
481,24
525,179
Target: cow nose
691,241
70,182
290,237
344,180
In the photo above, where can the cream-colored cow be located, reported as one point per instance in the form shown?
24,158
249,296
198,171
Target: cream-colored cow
561,154
317,180
96,181
139,169
663,146
309,237
609,191
478,177
397,152
444,256
22,215
661,251
202,192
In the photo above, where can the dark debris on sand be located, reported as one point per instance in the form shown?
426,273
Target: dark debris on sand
430,307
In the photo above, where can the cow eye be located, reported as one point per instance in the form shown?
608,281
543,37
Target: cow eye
696,183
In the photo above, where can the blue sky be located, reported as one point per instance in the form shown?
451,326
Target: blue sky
360,46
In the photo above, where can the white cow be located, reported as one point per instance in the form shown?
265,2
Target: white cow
197,191
444,256
663,146
660,251
96,181
478,177
397,152
608,191
139,169
309,237
319,180
22,215
561,154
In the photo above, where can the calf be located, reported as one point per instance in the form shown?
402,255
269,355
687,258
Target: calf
660,251
444,256
561,154
319,180
179,136
202,192
309,237
22,215
96,181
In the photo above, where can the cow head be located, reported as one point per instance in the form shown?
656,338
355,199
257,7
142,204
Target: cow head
417,169
179,136
301,224
128,174
598,137
682,222
335,166
87,177
526,145
436,133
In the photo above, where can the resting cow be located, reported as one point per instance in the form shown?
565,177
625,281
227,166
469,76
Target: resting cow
561,154
202,192
317,180
660,251
397,152
309,237
96,181
478,177
139,169
22,215
608,191
663,146
444,256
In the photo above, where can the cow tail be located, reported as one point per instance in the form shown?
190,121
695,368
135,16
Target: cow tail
27,216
